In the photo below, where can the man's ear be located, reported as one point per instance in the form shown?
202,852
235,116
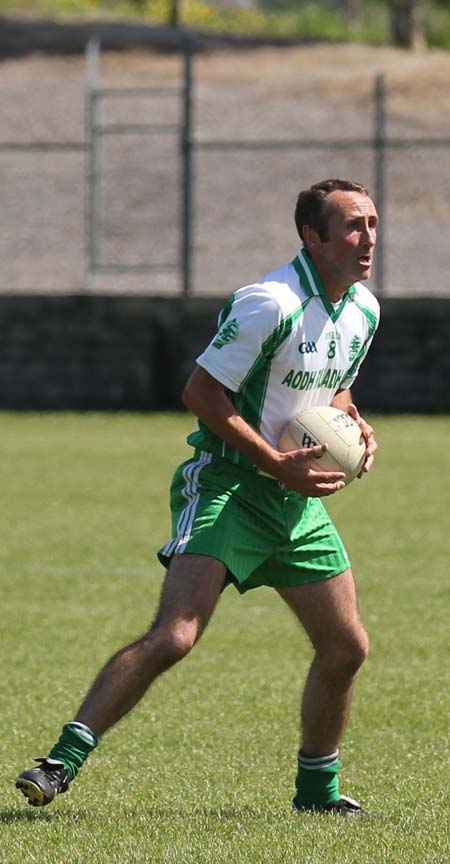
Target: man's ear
311,236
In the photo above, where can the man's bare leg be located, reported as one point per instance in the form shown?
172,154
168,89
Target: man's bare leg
189,595
329,614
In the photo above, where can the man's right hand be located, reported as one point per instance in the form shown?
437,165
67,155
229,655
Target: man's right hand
294,468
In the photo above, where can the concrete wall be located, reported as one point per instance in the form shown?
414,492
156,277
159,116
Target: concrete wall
134,353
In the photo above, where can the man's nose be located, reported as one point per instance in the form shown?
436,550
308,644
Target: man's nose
370,235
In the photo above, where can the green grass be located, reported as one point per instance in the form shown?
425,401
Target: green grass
202,771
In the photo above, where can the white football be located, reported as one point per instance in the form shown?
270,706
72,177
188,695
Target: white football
327,425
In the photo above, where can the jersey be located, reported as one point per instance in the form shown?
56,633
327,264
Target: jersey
282,346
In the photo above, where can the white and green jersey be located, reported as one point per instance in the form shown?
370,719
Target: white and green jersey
282,346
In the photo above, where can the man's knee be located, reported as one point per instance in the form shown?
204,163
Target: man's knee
173,641
344,655
359,649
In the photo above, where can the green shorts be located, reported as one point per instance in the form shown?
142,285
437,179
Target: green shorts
265,533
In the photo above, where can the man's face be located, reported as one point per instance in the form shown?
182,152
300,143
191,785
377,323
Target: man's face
346,255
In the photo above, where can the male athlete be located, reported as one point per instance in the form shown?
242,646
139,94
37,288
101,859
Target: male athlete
247,514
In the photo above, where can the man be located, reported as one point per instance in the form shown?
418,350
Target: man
247,514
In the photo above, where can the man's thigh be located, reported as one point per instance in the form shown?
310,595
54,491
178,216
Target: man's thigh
328,610
190,590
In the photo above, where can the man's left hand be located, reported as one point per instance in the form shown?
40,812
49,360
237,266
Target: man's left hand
367,432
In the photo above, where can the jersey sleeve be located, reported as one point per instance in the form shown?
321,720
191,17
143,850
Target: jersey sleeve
246,324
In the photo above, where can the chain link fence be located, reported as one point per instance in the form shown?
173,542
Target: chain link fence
161,177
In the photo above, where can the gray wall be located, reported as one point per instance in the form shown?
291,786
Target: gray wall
134,353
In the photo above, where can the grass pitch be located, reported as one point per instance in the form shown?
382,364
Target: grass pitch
202,771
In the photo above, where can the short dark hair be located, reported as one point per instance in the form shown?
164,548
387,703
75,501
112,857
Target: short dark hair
311,204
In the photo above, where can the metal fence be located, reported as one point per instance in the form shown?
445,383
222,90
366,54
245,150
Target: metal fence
100,258
96,129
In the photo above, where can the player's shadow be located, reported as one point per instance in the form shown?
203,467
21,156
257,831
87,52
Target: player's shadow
219,814
9,816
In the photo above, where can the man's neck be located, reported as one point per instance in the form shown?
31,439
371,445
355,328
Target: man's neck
335,293
333,288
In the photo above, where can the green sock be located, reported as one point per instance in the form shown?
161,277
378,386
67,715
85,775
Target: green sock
73,748
317,780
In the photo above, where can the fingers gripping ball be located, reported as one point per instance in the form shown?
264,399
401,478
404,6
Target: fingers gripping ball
327,425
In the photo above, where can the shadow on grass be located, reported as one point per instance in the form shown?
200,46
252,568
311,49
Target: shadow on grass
9,816
220,814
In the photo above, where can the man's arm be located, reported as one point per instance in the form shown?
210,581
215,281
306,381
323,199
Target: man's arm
343,400
207,399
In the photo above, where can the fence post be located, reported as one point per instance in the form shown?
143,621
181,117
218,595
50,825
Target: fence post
380,178
92,123
186,170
